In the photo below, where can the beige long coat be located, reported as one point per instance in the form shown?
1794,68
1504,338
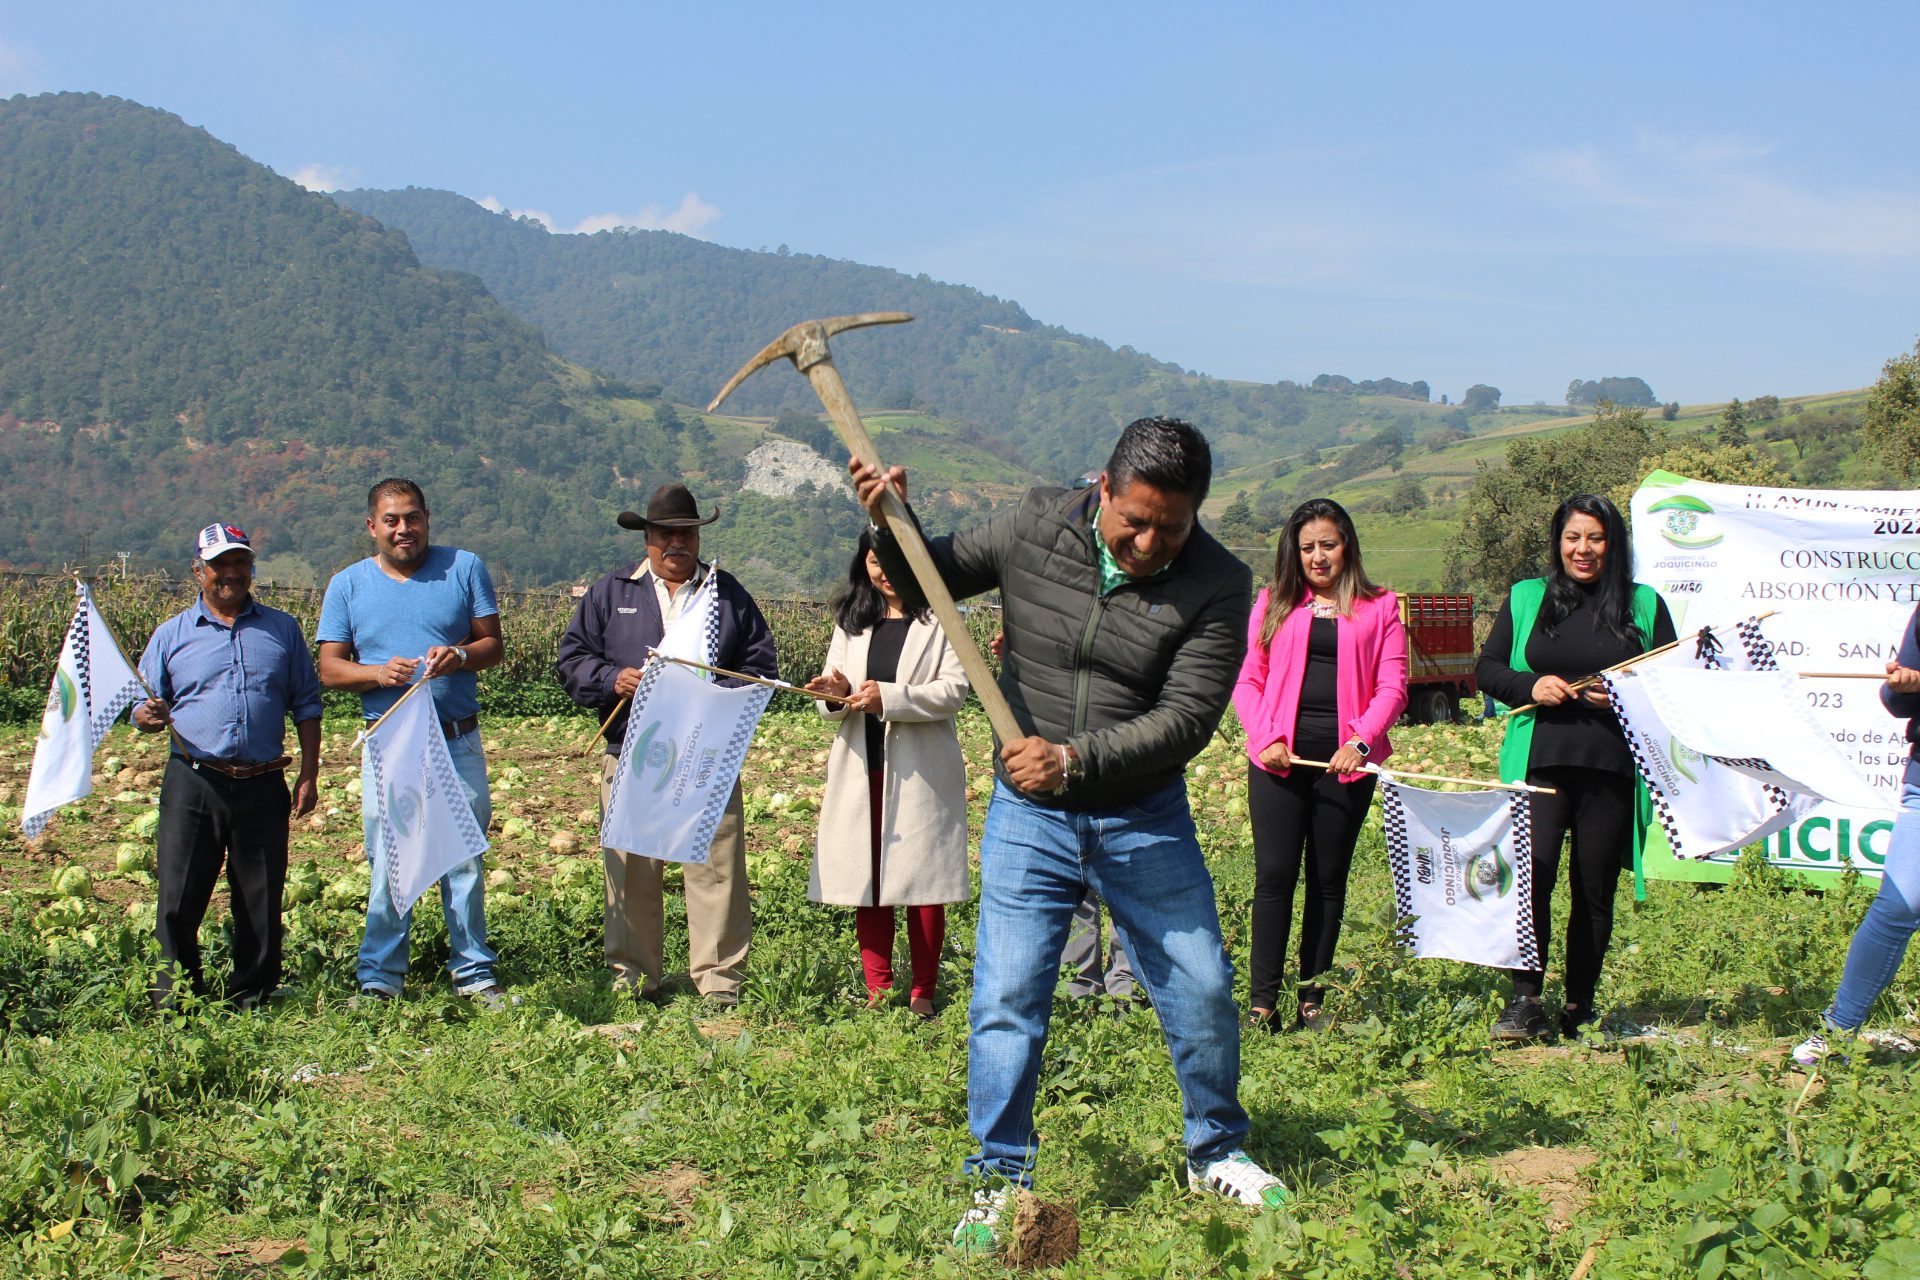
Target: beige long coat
923,849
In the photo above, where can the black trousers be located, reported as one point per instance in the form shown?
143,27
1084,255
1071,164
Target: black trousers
1307,818
207,818
1595,806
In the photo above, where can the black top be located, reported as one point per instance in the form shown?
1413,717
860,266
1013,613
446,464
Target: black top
883,665
1318,718
1575,732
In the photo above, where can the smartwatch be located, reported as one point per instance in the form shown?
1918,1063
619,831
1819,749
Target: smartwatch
1360,745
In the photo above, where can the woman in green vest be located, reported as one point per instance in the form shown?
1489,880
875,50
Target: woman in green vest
1587,614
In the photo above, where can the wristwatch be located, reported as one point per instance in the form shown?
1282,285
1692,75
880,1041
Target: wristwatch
1360,745
461,654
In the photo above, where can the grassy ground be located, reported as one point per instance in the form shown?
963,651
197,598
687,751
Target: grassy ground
585,1134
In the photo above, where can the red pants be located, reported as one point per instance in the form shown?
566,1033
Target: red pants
926,926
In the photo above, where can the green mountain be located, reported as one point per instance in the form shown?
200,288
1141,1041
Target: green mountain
681,314
186,336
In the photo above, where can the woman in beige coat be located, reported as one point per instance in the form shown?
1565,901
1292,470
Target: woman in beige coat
893,822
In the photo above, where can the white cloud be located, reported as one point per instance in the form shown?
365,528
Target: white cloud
1728,193
692,216
322,177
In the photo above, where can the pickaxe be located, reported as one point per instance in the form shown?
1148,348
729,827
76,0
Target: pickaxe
806,345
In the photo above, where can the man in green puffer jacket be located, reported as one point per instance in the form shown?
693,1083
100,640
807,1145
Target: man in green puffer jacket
1125,623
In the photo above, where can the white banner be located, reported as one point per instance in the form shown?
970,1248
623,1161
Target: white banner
686,740
91,686
1463,868
426,823
1842,570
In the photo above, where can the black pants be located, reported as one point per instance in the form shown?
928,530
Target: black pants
1310,816
1596,807
205,818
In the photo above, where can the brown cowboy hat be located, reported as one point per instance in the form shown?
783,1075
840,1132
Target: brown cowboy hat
671,507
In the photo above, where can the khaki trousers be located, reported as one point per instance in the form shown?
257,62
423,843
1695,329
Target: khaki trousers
719,916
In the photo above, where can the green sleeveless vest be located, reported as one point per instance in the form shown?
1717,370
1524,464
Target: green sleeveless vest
1516,749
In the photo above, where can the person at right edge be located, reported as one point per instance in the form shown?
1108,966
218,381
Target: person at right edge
1125,622
1880,943
1586,615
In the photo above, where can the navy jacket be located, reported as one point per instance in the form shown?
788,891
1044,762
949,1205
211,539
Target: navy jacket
618,620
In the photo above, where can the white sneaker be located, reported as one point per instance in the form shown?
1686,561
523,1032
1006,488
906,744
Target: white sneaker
1810,1054
979,1227
1237,1177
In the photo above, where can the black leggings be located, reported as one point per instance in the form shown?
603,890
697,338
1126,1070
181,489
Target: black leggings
1310,812
1596,806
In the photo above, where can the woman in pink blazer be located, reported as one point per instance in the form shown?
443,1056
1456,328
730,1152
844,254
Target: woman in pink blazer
1324,676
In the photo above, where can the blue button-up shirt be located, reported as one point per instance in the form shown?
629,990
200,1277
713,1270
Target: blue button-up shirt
232,688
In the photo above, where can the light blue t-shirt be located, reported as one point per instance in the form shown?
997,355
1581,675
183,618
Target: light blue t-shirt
381,618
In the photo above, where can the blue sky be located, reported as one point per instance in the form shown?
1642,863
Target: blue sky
1721,199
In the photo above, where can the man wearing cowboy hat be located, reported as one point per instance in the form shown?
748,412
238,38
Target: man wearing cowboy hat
615,625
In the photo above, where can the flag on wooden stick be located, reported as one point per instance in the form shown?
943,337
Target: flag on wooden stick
1729,756
686,740
92,685
425,822
1463,869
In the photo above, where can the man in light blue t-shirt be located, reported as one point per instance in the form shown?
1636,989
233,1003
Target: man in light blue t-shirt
412,611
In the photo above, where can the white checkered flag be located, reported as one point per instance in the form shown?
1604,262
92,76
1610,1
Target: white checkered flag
1463,870
694,635
92,685
1729,756
426,823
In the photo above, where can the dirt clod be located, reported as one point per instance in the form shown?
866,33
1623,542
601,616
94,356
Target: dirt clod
1045,1233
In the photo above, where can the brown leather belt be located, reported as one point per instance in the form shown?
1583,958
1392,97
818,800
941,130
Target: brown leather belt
459,728
238,772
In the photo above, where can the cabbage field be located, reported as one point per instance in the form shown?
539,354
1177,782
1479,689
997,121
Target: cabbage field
587,1134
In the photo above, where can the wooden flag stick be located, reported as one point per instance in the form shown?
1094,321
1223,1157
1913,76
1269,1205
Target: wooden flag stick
781,685
1433,777
1587,682
412,689
1841,675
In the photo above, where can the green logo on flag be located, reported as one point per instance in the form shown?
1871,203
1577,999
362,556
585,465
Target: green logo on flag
403,808
1489,875
63,699
1683,755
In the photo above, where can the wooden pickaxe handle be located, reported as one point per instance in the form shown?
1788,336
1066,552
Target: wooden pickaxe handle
806,345
833,393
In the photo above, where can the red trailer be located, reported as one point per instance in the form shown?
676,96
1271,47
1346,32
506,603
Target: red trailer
1440,655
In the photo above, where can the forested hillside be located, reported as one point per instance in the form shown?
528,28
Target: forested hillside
186,336
666,309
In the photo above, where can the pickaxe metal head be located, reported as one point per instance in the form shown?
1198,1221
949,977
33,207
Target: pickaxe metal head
806,345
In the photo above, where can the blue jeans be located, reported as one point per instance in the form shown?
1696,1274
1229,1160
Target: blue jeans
383,951
1144,862
1880,943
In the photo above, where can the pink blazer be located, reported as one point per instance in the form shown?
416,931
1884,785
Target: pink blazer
1370,690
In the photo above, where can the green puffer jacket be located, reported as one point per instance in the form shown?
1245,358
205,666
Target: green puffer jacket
1135,682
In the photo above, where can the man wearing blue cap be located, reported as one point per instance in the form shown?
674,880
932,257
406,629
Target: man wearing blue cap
226,674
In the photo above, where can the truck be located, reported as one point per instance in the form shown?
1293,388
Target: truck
1440,655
